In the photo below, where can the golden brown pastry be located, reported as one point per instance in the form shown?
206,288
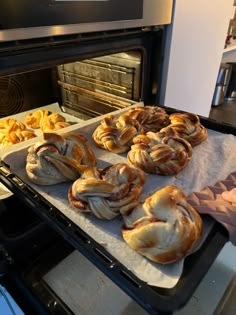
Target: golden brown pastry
58,158
17,136
53,122
188,126
165,228
45,120
116,134
13,131
163,153
107,192
33,119
152,118
5,123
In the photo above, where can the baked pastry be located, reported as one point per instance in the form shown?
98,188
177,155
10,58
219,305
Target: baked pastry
53,122
13,131
163,153
33,119
17,136
106,192
116,134
152,118
188,126
165,228
58,158
45,120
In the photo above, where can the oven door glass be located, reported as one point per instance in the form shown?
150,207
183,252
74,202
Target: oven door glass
34,13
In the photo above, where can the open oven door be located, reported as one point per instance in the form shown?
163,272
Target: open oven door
40,35
30,248
41,273
24,237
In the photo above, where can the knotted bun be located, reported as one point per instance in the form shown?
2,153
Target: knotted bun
33,119
13,131
58,158
165,228
107,192
152,118
188,126
116,134
53,122
162,153
45,120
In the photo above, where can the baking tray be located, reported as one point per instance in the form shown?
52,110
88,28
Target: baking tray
155,300
54,108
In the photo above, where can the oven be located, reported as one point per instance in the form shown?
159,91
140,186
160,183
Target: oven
83,59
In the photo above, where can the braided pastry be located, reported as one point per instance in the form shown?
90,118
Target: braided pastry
45,120
13,131
58,158
162,153
53,122
165,228
116,134
188,126
152,118
33,120
105,193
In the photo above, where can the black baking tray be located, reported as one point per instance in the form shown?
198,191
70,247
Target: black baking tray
153,299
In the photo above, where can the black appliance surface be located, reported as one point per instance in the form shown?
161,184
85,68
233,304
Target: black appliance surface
23,237
34,13
153,299
37,19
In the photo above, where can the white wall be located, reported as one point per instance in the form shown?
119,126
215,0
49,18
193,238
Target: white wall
194,46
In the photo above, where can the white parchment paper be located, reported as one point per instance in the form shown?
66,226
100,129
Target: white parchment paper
212,161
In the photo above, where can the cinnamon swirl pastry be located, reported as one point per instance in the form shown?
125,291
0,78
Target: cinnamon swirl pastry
152,118
58,158
116,134
105,193
163,153
188,126
165,228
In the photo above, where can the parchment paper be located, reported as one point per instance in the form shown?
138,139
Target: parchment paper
54,108
212,161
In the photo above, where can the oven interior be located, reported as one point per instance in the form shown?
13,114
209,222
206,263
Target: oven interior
85,88
87,76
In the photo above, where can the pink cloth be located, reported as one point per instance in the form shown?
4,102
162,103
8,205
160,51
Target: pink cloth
210,201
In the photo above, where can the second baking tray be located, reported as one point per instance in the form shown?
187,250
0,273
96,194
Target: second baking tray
153,299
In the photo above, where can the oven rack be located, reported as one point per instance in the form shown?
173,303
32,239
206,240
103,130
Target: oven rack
153,299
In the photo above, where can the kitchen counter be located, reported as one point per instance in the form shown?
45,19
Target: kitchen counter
229,53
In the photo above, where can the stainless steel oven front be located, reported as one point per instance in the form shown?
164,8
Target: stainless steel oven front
33,19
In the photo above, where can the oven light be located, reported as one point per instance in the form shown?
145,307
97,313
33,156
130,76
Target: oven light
57,30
